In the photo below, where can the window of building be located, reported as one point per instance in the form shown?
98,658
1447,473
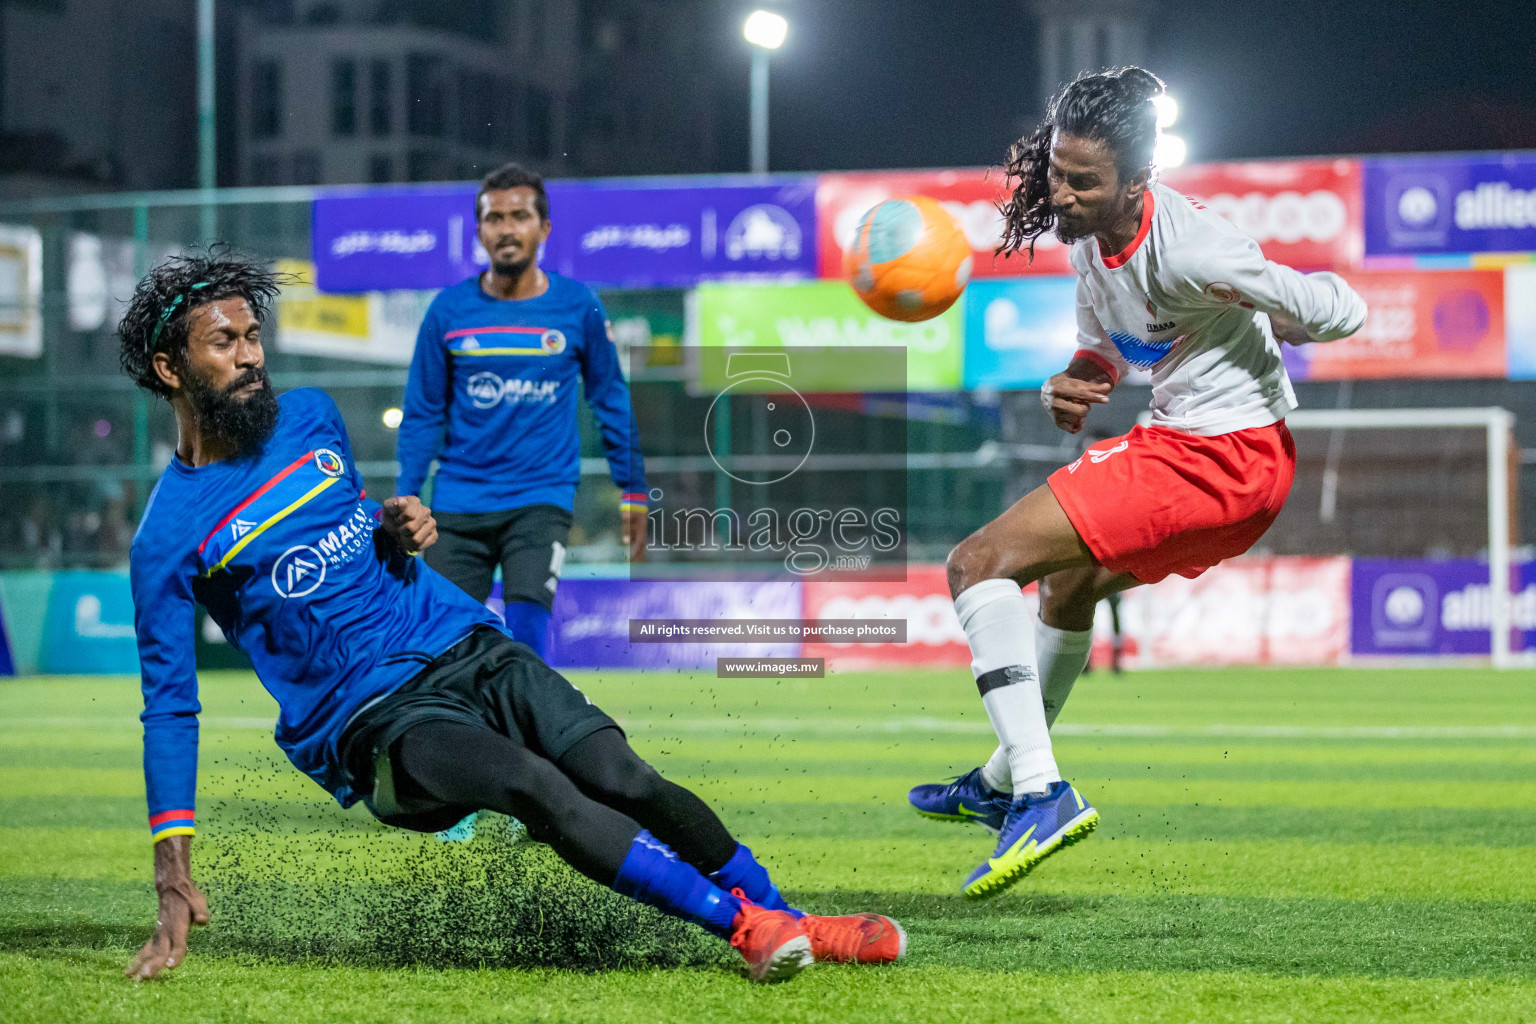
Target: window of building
424,94
306,167
540,123
422,165
381,99
381,168
344,96
266,99
477,108
265,170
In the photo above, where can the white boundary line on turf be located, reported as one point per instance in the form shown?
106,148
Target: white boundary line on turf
854,726
824,726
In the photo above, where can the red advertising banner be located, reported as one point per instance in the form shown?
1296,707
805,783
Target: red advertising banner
1248,611
1422,323
934,636
1303,213
971,194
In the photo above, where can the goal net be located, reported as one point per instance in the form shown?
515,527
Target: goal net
1419,486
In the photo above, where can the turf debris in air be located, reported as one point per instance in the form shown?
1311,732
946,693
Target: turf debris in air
381,897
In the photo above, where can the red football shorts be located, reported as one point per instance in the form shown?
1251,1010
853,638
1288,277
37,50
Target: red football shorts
1158,501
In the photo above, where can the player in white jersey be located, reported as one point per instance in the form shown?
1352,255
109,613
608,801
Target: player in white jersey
1163,284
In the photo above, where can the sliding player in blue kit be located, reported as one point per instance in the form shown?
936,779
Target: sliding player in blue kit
492,396
393,686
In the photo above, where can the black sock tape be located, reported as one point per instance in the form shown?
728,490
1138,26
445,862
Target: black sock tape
989,681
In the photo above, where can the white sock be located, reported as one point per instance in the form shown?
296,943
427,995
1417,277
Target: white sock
1063,654
996,623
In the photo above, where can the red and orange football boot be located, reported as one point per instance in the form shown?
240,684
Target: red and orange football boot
855,939
775,944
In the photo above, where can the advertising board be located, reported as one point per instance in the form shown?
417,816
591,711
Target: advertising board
1450,204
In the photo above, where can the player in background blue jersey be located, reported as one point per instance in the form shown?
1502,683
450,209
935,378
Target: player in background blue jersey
492,396
394,687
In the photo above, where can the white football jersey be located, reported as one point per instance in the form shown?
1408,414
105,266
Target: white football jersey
1189,299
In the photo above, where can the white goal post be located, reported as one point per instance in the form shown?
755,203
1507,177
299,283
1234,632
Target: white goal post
1498,425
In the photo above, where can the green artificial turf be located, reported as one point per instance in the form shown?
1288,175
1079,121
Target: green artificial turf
1277,845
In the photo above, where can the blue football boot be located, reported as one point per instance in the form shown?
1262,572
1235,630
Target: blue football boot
967,798
462,832
1036,827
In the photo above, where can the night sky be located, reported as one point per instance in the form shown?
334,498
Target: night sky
916,83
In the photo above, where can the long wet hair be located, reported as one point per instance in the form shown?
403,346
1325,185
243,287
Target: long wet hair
158,316
1112,107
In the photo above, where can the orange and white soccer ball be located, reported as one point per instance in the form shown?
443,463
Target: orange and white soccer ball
909,259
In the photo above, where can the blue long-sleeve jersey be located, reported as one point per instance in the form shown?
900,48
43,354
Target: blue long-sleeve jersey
281,548
492,397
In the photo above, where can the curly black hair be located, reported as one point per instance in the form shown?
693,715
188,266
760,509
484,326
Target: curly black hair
157,318
1113,107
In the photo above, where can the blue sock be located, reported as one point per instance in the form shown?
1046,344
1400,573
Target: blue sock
652,874
529,624
745,873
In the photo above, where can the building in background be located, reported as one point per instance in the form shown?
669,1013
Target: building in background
1078,35
346,91
648,97
97,94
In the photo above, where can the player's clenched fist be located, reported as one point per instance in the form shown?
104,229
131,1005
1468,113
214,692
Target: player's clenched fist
410,523
1069,398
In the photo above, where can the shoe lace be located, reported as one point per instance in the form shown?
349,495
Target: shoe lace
739,937
837,936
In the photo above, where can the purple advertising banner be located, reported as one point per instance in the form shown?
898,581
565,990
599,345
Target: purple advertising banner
619,236
1408,607
1450,204
591,621
672,237
413,240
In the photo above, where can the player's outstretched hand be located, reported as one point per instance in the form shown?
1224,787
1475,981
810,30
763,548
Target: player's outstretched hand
181,907
410,523
1068,398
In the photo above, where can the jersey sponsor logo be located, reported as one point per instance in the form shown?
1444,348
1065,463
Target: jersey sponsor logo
1222,292
298,571
484,389
345,542
553,341
329,463
240,527
1165,326
487,390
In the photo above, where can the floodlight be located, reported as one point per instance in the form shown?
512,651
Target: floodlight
765,29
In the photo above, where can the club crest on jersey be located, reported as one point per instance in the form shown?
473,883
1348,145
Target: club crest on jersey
298,571
553,342
329,463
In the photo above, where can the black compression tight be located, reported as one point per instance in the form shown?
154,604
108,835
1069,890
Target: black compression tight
605,768
589,807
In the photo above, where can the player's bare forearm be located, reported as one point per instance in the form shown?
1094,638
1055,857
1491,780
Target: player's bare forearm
634,524
409,524
1071,393
181,906
1288,329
